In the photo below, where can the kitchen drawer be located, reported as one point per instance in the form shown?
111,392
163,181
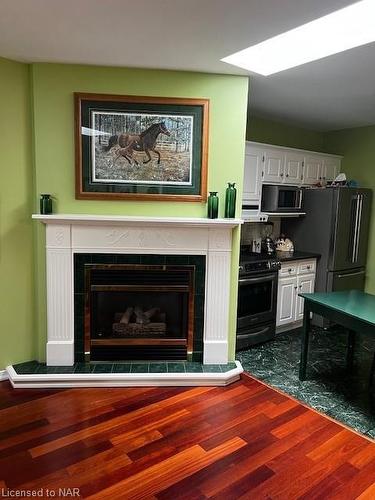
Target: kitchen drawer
307,266
288,269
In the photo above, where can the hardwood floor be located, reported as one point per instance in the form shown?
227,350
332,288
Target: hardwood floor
242,441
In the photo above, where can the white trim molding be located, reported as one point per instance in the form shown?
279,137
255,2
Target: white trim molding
69,234
3,375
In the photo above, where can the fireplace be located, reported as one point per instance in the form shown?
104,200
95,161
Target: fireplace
74,241
138,312
139,307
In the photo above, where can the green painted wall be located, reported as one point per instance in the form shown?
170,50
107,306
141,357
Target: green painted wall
283,134
53,87
17,334
358,147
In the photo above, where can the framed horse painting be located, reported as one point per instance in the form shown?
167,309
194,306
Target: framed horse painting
149,148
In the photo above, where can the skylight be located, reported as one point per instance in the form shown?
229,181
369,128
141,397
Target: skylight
341,30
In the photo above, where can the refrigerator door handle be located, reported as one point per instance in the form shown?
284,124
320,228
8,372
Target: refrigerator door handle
354,248
359,226
347,275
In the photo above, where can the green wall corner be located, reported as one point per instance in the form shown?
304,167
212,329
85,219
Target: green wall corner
17,325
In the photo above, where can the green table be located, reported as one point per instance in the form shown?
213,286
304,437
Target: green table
353,309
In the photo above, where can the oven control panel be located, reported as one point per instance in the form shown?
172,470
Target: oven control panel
259,266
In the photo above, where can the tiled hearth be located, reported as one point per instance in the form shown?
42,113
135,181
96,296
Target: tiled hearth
144,238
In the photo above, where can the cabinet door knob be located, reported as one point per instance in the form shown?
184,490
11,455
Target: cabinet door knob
308,267
287,175
289,270
295,288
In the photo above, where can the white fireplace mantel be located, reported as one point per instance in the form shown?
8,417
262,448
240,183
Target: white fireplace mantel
68,234
136,220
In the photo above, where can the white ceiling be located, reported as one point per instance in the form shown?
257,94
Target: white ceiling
336,92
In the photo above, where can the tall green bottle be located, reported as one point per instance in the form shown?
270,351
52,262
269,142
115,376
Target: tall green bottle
230,200
213,205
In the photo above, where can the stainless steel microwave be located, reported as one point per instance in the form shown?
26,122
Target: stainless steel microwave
279,198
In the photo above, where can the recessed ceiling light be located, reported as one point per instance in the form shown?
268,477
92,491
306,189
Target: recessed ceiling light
341,30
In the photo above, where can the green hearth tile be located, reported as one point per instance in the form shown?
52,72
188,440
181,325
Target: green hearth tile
44,369
64,369
193,367
103,368
176,367
121,368
158,367
84,368
228,366
211,369
139,368
26,368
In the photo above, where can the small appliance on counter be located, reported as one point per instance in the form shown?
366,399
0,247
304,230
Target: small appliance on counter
268,245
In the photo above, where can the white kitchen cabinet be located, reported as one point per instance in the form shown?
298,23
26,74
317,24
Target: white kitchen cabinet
252,175
273,168
293,168
294,277
269,164
305,284
286,301
313,169
331,167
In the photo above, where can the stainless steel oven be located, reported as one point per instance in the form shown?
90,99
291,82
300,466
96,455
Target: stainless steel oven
257,302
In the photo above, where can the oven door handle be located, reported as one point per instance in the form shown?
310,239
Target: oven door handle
260,279
252,333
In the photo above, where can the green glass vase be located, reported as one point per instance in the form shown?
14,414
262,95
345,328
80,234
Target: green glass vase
45,204
230,200
213,205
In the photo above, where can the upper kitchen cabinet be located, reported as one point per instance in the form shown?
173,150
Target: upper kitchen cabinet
293,167
267,164
313,169
252,174
331,167
273,169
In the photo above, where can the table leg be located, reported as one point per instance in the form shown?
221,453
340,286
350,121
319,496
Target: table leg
350,351
304,342
372,373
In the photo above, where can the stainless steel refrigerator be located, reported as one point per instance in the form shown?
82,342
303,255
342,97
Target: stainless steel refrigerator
336,226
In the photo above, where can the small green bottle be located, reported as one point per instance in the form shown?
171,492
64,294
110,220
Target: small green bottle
213,205
45,204
230,200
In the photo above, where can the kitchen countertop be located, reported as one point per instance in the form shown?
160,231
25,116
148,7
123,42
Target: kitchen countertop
285,256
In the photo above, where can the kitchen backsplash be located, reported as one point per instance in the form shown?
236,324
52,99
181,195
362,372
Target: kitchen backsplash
252,231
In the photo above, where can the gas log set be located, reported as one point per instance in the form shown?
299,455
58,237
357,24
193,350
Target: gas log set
136,321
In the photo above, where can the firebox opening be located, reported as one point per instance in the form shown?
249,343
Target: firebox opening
136,312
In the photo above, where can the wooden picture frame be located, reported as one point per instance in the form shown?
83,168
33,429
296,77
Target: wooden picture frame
141,148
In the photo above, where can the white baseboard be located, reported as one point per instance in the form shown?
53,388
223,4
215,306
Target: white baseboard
3,375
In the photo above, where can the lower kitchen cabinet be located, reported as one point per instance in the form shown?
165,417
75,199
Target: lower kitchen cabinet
294,277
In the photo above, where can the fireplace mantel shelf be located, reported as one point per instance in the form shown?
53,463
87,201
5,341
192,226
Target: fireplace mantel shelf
90,219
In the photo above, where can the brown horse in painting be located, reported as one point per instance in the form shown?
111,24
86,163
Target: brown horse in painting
145,141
